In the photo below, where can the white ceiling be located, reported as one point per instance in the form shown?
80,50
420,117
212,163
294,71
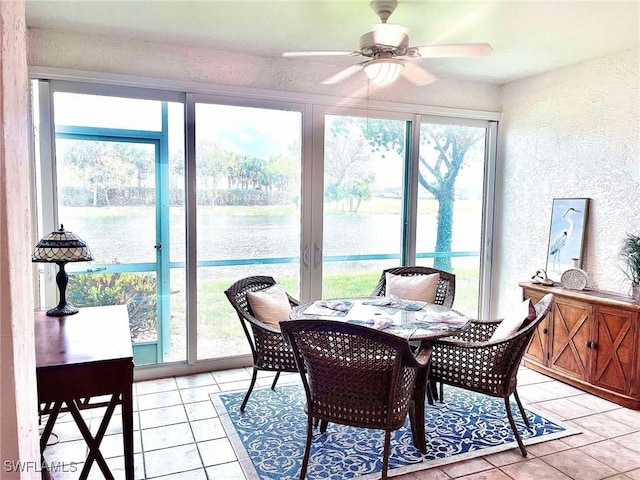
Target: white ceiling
528,37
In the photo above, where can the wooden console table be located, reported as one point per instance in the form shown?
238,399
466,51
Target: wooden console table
591,340
79,357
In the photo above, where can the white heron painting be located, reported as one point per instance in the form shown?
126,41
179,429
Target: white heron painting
567,234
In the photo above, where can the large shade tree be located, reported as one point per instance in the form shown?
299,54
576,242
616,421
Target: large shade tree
347,154
443,150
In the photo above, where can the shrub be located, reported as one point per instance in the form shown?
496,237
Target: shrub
138,291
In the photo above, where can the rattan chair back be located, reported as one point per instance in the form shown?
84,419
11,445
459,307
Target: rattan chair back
470,360
269,349
445,291
355,376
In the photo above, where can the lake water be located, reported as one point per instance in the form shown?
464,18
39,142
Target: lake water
128,235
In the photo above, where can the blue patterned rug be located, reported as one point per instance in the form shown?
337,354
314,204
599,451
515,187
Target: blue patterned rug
272,432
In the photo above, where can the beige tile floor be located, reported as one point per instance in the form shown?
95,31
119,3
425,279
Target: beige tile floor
179,436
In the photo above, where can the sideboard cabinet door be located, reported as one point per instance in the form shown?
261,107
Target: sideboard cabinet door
615,348
538,349
570,331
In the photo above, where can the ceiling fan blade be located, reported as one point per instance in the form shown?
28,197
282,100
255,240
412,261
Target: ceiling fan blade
320,53
417,75
454,50
342,75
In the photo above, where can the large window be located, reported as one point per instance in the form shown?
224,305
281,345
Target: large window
248,212
450,203
181,194
363,203
385,208
118,183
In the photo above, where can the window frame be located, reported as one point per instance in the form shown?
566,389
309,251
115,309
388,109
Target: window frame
313,107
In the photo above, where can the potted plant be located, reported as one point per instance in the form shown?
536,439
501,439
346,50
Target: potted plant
630,253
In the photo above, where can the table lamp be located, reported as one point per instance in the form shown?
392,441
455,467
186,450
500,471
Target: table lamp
61,247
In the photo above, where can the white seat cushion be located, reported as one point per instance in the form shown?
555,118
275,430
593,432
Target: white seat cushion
270,305
421,288
512,322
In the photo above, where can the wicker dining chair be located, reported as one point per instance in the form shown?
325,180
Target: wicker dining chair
357,376
269,349
470,360
445,291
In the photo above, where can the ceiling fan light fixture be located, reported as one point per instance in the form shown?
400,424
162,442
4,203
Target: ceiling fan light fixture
383,71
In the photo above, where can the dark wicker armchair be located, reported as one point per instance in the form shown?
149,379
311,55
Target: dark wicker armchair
269,349
357,376
445,292
471,361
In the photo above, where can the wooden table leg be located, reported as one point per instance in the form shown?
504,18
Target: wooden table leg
127,431
48,428
419,393
93,443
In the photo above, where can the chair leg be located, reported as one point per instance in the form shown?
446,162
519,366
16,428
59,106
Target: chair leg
323,425
275,380
433,390
385,454
253,382
441,394
513,427
522,412
307,448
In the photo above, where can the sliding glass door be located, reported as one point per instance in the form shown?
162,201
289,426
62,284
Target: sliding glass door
247,165
451,189
113,188
179,195
364,202
401,192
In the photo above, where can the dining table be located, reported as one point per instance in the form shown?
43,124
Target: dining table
412,320
419,323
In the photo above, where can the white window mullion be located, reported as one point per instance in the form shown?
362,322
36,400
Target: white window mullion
46,195
191,233
411,193
488,204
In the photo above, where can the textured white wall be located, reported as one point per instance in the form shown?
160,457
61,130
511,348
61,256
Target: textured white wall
18,397
123,56
569,133
574,132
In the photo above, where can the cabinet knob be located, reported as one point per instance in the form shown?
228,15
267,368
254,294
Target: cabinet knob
591,345
545,330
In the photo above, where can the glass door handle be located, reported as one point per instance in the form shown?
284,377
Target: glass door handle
317,256
158,246
305,257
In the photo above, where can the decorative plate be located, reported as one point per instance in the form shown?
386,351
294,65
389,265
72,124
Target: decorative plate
574,279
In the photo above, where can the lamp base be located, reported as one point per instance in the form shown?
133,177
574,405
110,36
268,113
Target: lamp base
62,311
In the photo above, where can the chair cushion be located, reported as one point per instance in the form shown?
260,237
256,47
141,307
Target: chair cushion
420,288
532,314
524,313
270,305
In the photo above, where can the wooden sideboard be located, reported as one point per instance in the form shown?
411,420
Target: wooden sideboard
590,339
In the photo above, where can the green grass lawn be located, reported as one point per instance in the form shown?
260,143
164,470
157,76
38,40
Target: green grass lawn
217,317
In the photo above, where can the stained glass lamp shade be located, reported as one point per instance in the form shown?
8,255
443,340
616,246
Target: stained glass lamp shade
61,247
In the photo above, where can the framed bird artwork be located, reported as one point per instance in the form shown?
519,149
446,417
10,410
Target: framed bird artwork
566,235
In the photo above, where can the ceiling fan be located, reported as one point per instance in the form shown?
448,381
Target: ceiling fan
389,54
